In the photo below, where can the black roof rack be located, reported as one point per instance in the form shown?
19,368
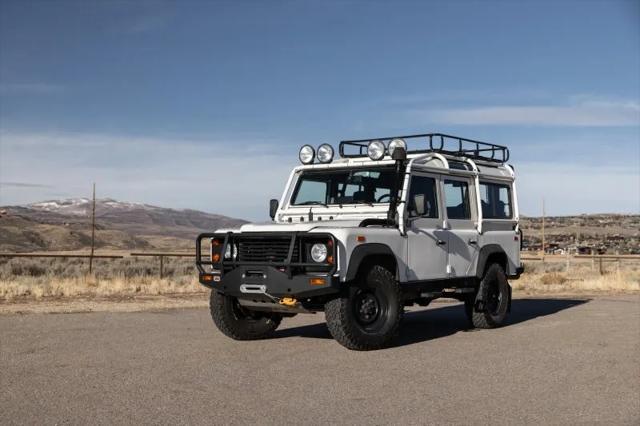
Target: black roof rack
436,142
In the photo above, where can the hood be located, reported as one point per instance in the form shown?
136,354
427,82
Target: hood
298,227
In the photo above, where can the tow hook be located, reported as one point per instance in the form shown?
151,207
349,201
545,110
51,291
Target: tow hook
288,301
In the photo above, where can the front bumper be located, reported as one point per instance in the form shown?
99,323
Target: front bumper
278,273
266,282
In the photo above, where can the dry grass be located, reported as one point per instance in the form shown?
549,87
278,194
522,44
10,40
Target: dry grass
85,286
36,279
582,277
29,279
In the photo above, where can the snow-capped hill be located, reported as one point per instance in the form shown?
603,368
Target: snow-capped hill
83,206
73,206
117,223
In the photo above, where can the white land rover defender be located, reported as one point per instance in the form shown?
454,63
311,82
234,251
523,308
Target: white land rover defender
363,236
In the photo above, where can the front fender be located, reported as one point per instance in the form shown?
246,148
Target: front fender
361,252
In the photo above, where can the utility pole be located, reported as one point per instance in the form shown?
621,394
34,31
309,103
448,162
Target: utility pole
543,219
93,229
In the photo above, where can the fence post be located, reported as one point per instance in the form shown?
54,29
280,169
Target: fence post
600,265
161,266
568,261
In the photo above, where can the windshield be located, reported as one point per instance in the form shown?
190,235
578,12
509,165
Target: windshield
367,186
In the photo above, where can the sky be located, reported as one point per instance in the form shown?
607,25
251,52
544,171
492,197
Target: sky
204,104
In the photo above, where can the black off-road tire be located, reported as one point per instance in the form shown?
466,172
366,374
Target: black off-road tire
239,323
354,323
495,293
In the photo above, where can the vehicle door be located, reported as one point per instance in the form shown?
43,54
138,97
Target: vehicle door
461,216
427,245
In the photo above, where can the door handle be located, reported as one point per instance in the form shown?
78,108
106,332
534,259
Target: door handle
441,242
473,242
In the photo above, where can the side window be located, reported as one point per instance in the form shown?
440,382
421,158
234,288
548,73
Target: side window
351,189
311,191
426,187
456,194
496,201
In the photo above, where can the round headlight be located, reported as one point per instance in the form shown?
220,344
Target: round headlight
306,154
319,252
325,153
375,150
395,144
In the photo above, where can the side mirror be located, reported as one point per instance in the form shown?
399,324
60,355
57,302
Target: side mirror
273,208
418,202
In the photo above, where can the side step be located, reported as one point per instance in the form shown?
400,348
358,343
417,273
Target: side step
447,292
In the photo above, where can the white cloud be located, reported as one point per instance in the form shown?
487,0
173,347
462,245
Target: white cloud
579,112
230,177
238,177
24,185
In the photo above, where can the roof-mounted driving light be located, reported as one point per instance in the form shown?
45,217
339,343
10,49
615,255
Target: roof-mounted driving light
375,150
306,155
325,153
395,144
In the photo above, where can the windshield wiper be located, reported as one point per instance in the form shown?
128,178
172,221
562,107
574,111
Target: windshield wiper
313,203
362,202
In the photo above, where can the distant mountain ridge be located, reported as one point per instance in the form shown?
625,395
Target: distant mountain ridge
65,225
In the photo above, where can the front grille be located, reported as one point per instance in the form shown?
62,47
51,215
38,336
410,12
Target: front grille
265,249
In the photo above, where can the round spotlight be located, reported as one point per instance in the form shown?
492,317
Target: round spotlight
319,252
325,153
395,144
375,150
306,155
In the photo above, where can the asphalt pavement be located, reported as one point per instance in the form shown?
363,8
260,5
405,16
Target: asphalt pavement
558,360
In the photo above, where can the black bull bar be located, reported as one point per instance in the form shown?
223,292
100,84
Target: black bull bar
287,264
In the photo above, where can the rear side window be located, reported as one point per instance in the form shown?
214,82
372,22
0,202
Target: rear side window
456,194
496,201
425,186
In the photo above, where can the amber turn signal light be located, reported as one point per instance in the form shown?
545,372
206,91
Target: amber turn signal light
317,281
215,258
